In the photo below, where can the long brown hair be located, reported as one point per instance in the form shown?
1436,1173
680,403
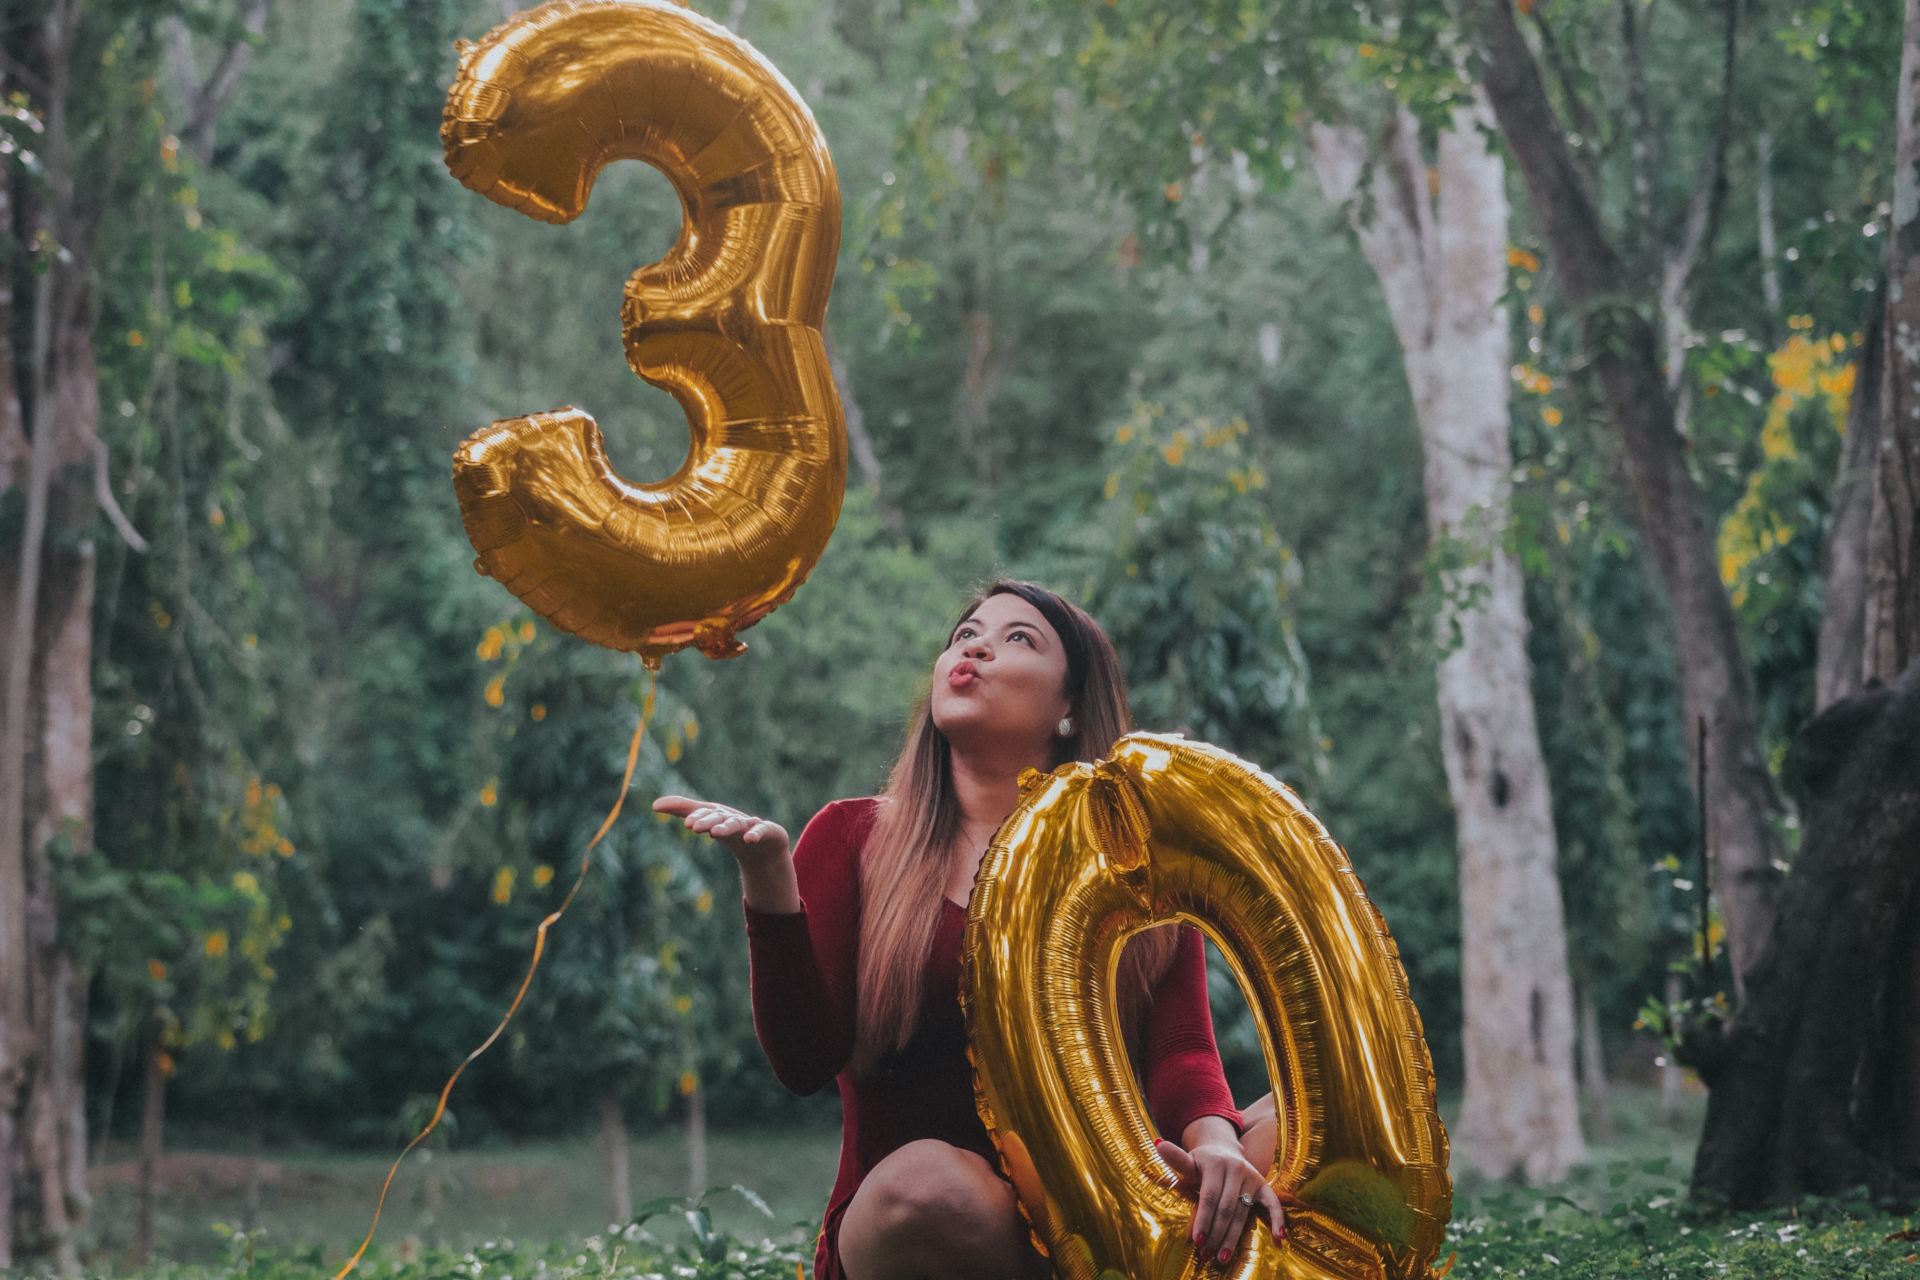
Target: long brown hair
905,864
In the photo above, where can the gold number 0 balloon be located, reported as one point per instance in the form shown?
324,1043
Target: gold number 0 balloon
729,322
1165,830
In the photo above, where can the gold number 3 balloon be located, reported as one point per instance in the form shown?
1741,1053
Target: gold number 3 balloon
1163,830
729,322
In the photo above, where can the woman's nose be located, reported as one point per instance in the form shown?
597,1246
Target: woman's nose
976,649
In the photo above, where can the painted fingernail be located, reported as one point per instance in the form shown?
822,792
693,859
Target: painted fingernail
1225,1254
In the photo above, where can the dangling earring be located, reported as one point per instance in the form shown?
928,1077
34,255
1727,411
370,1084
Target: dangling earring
1065,727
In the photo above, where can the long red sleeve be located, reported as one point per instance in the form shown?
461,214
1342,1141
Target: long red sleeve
803,964
1184,1077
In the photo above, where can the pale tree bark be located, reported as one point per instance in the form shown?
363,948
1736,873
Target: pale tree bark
1892,607
1839,662
1623,353
614,1151
1440,256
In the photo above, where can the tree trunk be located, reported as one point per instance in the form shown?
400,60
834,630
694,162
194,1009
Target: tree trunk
1893,534
1671,1072
697,1140
1441,261
153,1114
613,1149
1792,1109
1816,1083
1839,662
1593,1068
1622,350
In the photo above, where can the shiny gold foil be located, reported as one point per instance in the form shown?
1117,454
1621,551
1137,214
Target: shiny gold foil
729,322
1169,830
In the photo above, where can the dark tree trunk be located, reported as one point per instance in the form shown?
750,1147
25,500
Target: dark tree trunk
1800,1103
1623,353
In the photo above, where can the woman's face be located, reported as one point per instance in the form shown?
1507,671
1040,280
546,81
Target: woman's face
1001,681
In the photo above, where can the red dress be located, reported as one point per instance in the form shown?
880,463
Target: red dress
803,975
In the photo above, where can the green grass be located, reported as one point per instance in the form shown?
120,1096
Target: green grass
461,1199
538,1211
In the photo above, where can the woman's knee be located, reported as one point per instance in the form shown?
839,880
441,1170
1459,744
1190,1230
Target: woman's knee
931,1187
931,1209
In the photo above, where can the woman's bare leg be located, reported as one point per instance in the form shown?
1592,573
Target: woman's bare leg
1258,1139
931,1211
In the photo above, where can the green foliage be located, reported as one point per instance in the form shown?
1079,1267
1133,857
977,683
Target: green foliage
1198,589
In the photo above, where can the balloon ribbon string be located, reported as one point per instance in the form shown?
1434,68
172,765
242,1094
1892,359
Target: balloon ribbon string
539,948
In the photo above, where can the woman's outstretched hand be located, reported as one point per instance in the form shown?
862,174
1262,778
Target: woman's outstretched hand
1219,1173
751,840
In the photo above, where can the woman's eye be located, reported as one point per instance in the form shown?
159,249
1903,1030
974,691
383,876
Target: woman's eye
1021,635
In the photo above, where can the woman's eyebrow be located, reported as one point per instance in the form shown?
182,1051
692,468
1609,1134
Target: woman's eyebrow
1026,626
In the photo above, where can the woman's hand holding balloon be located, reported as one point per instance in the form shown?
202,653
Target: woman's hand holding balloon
760,846
1218,1172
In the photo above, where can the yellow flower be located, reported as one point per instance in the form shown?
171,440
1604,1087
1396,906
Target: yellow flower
216,943
673,747
246,882
489,646
704,903
1175,450
1792,366
688,1082
1367,51
1124,435
1552,416
542,876
1837,342
496,691
1112,485
156,971
490,793
216,517
692,728
683,1005
1800,322
503,886
250,640
135,338
164,1061
253,792
1518,257
526,632
224,1038
284,847
283,922
538,711
1173,193
1537,314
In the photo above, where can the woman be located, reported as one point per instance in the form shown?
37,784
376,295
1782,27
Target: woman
855,945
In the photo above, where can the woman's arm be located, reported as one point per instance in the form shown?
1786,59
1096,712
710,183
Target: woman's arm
1188,1095
802,917
1184,1078
802,961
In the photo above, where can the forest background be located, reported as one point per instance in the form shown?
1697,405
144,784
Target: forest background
1107,315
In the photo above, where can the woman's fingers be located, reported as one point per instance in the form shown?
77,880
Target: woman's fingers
1232,1219
1276,1215
1207,1217
679,806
